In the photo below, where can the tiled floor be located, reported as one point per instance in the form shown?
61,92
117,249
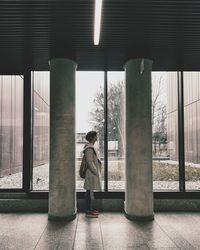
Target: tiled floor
109,231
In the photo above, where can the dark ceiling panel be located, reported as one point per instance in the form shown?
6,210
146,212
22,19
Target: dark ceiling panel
166,31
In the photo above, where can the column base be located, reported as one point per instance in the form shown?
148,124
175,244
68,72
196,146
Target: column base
140,218
62,218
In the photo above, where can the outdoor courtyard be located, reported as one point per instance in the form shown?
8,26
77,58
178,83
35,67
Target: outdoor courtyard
165,175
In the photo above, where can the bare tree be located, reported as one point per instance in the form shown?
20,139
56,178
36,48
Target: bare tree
116,111
156,92
159,113
115,115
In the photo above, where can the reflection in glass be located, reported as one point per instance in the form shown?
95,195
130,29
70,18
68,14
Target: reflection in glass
165,131
89,114
192,129
116,136
41,130
11,131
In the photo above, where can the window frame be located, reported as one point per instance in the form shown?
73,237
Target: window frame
26,190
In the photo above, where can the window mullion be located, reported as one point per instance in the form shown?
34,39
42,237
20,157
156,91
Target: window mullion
27,133
181,146
105,132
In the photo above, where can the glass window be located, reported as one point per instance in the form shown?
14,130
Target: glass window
192,129
116,125
41,131
11,131
89,114
165,131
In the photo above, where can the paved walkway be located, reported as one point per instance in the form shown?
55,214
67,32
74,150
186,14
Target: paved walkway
111,231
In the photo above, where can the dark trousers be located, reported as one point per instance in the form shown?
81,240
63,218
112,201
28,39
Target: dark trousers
88,201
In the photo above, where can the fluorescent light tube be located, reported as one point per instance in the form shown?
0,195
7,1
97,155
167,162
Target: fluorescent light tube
97,21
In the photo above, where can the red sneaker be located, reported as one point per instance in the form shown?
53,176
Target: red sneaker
91,214
95,211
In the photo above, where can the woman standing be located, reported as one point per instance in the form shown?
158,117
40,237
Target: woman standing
93,173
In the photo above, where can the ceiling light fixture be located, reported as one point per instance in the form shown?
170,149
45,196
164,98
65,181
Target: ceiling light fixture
97,21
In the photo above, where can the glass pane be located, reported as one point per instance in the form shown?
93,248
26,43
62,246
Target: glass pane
11,131
89,114
165,131
192,129
41,130
116,132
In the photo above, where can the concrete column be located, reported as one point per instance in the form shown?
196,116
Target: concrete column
139,182
62,183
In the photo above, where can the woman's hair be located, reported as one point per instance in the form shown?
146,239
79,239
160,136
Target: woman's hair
90,135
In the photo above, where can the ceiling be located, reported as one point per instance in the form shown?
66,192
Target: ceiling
166,31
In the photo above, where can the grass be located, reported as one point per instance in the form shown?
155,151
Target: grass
169,172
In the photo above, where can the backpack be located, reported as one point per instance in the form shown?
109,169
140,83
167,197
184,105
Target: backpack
83,167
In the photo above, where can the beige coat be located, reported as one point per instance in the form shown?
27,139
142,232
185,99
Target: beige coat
93,173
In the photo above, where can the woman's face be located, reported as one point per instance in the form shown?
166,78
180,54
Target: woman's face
94,139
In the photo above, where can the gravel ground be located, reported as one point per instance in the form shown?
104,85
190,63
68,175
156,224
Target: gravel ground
41,179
